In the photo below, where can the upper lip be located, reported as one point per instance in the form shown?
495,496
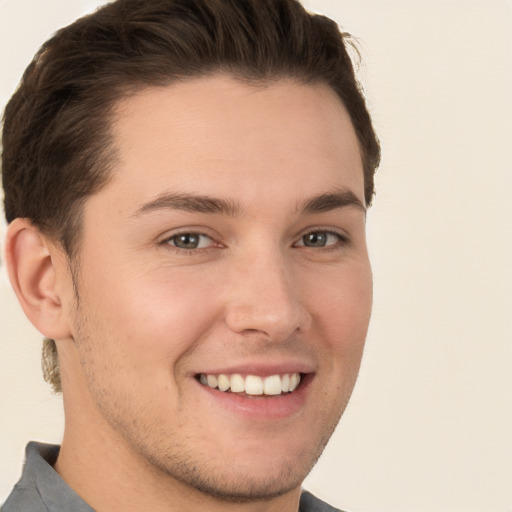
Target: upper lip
260,369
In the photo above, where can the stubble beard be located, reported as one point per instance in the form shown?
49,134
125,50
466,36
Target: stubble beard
157,450
233,484
206,474
165,454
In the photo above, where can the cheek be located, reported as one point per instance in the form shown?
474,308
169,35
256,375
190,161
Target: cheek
156,316
342,308
343,317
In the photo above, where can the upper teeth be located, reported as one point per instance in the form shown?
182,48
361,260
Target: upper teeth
252,384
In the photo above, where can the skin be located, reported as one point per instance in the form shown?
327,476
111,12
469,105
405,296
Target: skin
141,432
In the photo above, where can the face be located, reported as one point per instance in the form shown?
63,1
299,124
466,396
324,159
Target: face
224,285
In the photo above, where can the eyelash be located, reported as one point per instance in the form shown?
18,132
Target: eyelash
191,251
342,241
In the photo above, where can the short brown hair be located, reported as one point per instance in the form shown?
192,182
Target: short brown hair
57,147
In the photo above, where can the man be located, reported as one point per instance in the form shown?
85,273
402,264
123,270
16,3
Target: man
186,185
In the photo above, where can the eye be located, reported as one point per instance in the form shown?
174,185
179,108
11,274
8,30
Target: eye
189,241
320,239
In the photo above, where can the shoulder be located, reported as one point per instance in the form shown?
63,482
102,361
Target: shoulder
310,503
40,488
24,499
25,495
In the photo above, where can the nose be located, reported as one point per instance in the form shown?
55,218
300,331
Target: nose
264,298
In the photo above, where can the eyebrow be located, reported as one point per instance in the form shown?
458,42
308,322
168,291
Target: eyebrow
340,198
211,205
190,203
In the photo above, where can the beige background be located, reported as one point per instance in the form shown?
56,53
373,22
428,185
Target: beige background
430,423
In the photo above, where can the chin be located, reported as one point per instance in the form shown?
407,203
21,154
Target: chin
258,474
241,485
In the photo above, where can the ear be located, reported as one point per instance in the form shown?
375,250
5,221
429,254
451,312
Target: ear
35,267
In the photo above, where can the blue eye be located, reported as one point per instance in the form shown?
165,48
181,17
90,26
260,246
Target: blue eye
189,241
320,239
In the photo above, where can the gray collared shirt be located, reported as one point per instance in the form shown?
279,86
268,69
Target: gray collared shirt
41,489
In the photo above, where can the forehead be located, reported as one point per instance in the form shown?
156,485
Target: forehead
217,134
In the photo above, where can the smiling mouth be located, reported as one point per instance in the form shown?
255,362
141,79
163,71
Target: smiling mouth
252,385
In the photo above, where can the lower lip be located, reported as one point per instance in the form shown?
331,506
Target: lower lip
262,407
